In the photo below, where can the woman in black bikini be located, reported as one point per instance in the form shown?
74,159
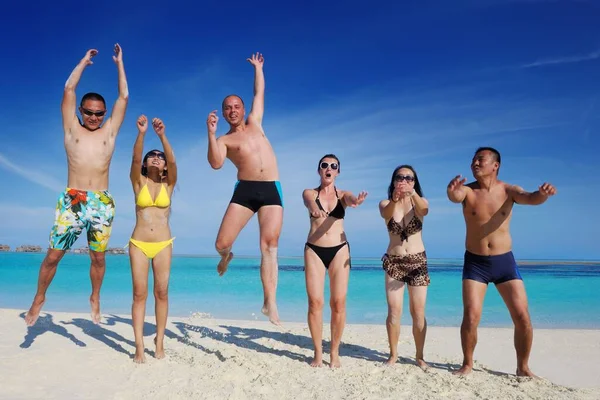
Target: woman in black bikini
327,250
405,260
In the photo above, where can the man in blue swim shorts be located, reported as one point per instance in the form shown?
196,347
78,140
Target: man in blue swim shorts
86,202
487,208
257,189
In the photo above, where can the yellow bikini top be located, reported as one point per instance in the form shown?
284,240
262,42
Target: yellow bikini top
144,198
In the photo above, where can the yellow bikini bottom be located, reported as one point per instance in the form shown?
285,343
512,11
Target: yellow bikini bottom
151,249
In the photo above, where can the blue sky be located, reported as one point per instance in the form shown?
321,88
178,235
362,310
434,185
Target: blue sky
377,83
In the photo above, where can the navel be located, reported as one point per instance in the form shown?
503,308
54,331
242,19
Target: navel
76,140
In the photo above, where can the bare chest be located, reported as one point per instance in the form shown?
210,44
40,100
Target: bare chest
89,145
482,205
248,144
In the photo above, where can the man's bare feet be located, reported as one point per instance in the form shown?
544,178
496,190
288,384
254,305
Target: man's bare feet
139,357
391,361
159,353
422,364
95,305
34,311
317,360
464,370
526,372
270,310
334,361
224,263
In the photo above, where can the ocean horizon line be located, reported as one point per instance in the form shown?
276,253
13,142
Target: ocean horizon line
433,260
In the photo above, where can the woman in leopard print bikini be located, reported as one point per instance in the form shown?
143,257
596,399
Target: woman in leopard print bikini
405,261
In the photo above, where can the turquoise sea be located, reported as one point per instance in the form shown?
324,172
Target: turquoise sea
562,294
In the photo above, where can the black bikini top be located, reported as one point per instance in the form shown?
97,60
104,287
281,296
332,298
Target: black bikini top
415,225
338,212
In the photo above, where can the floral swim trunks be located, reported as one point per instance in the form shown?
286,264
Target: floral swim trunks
79,209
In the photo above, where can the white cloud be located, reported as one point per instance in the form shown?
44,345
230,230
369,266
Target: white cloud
564,60
32,173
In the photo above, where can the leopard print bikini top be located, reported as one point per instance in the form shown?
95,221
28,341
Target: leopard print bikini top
415,225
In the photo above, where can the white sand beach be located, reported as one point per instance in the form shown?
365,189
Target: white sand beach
66,356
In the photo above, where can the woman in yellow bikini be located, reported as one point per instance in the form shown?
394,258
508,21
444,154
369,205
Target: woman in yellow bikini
153,179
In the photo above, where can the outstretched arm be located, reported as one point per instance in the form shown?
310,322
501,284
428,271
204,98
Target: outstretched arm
352,200
520,196
159,128
217,150
456,190
138,148
258,103
69,101
421,204
118,112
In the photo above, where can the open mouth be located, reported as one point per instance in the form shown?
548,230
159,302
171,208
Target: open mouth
328,175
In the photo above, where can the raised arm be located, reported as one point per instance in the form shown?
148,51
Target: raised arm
308,195
421,204
118,112
69,100
138,149
217,149
159,128
456,190
258,103
520,196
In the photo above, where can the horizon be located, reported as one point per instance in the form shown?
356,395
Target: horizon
424,84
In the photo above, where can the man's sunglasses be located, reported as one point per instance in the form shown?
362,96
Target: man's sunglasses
407,178
333,165
156,155
89,113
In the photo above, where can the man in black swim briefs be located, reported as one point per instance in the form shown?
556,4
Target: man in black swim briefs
257,190
487,209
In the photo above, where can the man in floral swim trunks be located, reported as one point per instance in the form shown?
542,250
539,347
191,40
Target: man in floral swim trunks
86,202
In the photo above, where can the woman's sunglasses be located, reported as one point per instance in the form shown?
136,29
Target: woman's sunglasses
333,165
157,155
407,178
89,113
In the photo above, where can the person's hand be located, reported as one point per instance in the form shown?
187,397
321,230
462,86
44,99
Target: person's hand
158,126
257,60
359,199
547,189
118,57
87,59
142,124
211,123
456,184
319,214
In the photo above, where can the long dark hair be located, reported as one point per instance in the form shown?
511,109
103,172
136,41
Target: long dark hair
145,169
417,184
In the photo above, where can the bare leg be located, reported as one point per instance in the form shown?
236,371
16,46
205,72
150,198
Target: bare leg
473,296
314,272
161,266
514,296
236,217
46,274
394,292
139,275
97,270
270,219
418,296
339,275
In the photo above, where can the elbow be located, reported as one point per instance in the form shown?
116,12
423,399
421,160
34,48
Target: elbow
214,164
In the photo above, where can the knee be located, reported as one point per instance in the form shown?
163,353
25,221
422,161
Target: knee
315,304
98,259
161,293
221,244
52,260
338,305
394,314
471,319
418,315
521,319
140,294
269,245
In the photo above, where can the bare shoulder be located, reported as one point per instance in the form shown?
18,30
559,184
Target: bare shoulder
308,193
384,203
